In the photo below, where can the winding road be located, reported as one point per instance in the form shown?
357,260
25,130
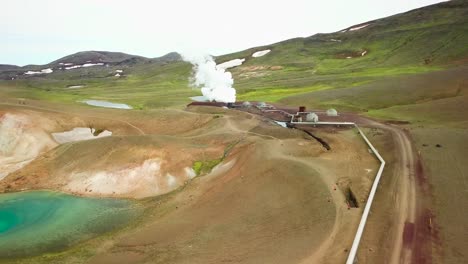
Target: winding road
405,195
405,247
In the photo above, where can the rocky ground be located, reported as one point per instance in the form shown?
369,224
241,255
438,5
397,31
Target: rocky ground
223,177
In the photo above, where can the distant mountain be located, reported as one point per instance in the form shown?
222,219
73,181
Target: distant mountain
170,57
434,35
84,61
106,57
112,58
8,67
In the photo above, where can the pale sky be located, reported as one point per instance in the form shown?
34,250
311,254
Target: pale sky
40,31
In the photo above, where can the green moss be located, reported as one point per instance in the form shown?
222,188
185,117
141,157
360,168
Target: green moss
275,94
197,167
98,131
203,167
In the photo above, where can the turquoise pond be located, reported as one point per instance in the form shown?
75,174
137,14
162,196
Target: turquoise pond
35,222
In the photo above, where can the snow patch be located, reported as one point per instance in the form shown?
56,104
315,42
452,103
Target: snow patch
83,66
119,71
92,64
73,67
117,75
75,86
230,64
78,134
364,53
358,27
335,40
32,72
260,53
43,71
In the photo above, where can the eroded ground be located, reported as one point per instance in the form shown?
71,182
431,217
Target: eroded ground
218,185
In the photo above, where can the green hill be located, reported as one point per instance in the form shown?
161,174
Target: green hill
417,42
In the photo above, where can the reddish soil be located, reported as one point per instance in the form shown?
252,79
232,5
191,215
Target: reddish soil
420,176
422,250
408,234
270,201
247,197
419,235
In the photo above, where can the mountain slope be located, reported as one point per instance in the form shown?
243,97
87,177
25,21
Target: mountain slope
416,42
112,58
435,34
98,56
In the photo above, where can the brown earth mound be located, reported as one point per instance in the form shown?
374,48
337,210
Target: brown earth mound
238,188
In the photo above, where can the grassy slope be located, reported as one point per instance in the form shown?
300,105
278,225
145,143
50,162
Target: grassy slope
415,70
420,41
145,85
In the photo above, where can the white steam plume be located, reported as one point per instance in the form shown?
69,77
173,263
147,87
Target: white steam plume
215,82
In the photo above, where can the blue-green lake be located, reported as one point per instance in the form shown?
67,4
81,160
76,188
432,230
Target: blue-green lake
35,222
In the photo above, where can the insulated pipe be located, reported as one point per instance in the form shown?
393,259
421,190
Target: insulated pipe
365,214
357,238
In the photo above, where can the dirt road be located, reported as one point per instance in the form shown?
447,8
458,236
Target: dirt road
409,236
411,240
405,197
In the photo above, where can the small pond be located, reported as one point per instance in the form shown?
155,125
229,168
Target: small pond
106,104
36,222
